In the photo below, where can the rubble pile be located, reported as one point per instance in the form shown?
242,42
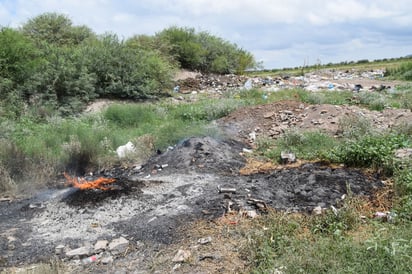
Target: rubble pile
210,83
325,79
274,119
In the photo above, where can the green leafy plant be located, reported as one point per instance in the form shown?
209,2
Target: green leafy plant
374,151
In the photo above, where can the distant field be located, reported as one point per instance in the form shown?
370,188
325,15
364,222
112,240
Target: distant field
360,65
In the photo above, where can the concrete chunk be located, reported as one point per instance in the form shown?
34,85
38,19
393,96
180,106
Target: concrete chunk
118,245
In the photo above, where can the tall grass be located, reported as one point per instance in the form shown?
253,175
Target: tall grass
283,243
305,145
401,72
89,142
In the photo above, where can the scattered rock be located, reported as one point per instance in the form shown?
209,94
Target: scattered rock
80,252
107,260
403,153
181,256
252,214
118,245
100,246
317,210
205,240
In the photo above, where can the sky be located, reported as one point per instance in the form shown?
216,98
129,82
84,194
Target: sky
278,33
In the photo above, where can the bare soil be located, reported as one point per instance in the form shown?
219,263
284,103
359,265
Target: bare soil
192,191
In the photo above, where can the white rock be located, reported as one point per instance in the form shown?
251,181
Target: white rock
118,245
81,251
252,214
181,256
317,210
100,246
107,260
205,240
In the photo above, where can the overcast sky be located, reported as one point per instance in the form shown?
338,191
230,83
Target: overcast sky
279,33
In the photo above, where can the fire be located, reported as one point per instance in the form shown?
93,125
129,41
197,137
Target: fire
83,184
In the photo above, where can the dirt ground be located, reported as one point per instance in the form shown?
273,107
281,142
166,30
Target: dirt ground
191,198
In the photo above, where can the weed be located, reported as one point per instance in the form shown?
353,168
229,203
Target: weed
130,115
374,151
307,145
338,221
373,100
354,126
401,72
204,110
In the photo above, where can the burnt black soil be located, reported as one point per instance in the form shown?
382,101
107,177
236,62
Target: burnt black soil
153,204
94,197
203,155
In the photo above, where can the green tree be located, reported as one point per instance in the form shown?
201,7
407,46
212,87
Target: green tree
18,60
18,56
205,52
54,28
185,47
126,71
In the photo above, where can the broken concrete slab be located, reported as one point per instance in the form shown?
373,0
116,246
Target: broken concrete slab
100,246
118,245
80,252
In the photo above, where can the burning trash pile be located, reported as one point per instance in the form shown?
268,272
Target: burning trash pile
83,184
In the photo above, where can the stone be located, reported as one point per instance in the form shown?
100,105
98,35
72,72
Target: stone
107,260
252,214
100,246
287,157
59,249
403,153
81,252
205,240
118,245
317,210
181,256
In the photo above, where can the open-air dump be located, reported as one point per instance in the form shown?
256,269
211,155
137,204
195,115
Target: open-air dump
176,212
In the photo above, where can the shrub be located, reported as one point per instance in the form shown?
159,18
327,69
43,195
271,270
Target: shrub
205,52
354,126
374,151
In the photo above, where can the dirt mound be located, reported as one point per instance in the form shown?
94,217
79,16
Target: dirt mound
200,154
273,120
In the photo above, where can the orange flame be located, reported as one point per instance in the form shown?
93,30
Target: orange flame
83,184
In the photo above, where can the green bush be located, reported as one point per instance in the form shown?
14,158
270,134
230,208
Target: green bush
205,52
355,126
126,72
374,151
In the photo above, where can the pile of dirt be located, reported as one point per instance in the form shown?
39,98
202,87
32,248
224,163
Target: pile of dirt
274,119
202,155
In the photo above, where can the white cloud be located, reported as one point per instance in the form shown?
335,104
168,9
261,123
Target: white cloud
281,33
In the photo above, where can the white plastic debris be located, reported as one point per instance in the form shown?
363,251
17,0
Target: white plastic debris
128,148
